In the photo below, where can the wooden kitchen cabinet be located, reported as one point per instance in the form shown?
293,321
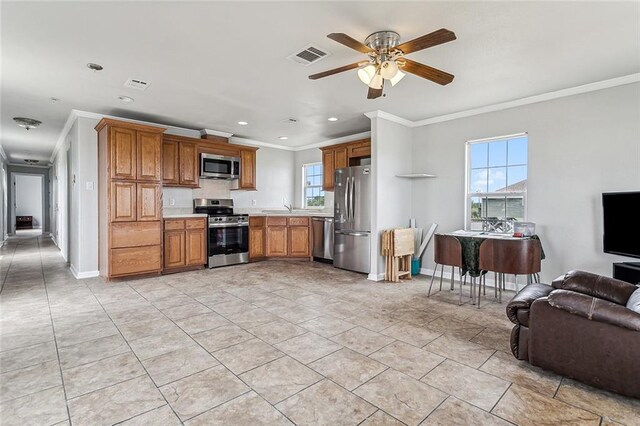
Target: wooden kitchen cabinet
247,169
339,156
180,166
129,198
174,249
170,163
286,237
257,237
185,244
299,243
189,168
277,241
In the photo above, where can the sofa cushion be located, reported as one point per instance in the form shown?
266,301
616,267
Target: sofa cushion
606,288
634,301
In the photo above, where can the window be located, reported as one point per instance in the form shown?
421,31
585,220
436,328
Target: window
496,183
312,192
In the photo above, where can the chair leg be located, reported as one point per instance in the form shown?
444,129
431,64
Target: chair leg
441,274
472,290
528,279
453,276
479,291
495,284
501,278
460,271
432,278
484,285
516,282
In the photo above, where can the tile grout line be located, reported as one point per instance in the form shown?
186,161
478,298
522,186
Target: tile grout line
53,330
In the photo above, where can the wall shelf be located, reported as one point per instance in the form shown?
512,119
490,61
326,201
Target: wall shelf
416,176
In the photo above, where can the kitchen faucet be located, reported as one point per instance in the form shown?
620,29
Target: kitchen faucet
289,207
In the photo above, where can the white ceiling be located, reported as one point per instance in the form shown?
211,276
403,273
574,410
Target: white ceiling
212,64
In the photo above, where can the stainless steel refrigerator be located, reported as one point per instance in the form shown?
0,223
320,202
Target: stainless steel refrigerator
352,219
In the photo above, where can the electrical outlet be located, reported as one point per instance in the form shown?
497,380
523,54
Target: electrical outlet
172,201
89,186
253,202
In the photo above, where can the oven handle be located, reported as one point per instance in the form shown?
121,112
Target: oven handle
224,225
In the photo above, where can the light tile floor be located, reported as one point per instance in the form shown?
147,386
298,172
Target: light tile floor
264,343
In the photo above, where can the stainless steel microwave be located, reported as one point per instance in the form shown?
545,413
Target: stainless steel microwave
219,167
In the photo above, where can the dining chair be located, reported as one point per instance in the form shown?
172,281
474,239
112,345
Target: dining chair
447,251
511,257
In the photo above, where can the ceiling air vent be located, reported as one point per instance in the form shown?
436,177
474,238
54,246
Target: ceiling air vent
133,83
308,55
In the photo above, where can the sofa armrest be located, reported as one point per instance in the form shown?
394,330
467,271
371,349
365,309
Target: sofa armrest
595,309
598,286
523,300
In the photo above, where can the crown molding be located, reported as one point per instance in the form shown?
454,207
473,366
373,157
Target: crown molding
390,117
585,88
335,141
252,142
204,132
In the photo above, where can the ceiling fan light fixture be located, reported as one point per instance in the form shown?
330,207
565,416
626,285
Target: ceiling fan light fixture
366,73
27,123
396,78
376,81
388,69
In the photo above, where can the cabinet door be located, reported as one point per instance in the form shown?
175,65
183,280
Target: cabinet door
360,149
341,157
328,167
149,201
170,164
256,243
123,202
196,247
123,153
299,241
247,169
149,156
276,241
189,170
174,249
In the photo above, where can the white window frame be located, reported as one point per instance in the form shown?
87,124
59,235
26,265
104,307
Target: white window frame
468,196
304,187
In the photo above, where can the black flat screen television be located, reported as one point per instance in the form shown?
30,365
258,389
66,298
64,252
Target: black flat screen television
621,225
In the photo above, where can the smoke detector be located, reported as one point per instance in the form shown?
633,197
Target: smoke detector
134,83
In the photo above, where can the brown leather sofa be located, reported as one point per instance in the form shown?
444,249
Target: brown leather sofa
580,328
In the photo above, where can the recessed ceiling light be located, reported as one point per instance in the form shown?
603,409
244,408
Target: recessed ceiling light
126,99
27,123
283,138
242,123
94,67
332,118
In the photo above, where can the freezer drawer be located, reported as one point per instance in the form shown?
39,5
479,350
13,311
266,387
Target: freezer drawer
352,251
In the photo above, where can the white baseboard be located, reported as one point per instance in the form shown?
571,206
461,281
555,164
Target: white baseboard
509,285
82,275
376,277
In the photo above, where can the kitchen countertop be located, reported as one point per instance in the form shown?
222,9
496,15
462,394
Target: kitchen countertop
182,215
292,214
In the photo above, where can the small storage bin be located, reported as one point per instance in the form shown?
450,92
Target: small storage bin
525,229
415,266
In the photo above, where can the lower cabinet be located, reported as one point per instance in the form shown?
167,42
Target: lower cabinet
284,237
185,243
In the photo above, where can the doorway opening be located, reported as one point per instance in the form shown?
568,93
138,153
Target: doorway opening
29,212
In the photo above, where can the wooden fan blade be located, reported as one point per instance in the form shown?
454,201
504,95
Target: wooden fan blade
435,38
349,42
335,70
427,72
375,93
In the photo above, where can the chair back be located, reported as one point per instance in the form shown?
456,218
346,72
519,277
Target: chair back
447,250
486,259
519,257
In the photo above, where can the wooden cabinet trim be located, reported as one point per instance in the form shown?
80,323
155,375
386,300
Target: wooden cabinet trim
276,221
197,223
128,125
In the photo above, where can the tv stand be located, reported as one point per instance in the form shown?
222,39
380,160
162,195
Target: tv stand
627,271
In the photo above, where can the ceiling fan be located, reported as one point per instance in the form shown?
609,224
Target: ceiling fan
386,59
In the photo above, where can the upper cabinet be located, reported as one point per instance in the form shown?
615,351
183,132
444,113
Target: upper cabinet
149,164
180,161
247,168
247,154
124,152
342,155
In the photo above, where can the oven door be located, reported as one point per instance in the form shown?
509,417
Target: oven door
219,167
228,245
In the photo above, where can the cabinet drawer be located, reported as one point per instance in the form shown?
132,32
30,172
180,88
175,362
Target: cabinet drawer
256,221
198,223
135,260
173,224
135,234
298,221
276,221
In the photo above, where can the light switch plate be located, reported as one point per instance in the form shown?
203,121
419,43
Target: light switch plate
89,186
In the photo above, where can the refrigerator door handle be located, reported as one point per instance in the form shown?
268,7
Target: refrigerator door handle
353,199
346,199
353,234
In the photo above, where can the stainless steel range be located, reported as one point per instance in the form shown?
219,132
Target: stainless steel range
228,240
